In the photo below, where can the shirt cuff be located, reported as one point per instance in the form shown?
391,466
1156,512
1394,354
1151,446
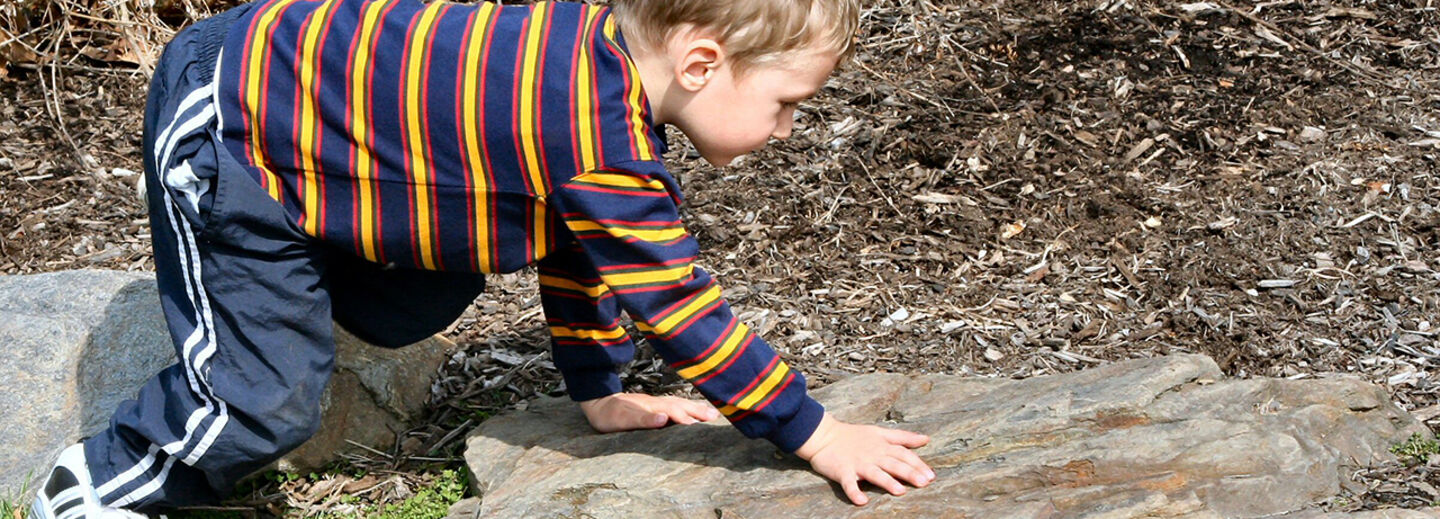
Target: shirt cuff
789,436
590,384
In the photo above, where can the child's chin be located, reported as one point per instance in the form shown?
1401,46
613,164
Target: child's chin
725,162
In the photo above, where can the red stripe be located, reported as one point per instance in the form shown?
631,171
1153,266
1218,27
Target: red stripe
713,346
629,113
595,91
739,352
700,314
544,187
410,193
574,80
577,296
295,112
435,248
460,136
240,87
354,148
265,88
319,141
597,189
370,134
643,266
766,403
491,220
739,395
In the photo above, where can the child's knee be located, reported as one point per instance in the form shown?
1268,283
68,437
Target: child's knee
285,416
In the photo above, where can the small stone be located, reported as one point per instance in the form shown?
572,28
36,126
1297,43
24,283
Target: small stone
1312,134
993,355
1276,283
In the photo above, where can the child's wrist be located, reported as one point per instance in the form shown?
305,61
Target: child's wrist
818,439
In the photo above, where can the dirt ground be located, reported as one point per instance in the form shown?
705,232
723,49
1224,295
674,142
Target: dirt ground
1005,188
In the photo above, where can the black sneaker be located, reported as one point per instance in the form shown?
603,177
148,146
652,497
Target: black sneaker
69,494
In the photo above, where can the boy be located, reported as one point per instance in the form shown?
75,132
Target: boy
369,161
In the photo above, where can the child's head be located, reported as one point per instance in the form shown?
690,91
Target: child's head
753,32
736,69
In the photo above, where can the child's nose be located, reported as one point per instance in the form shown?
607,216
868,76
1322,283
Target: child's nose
782,131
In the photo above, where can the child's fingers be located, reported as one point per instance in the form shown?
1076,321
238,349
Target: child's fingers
905,472
906,438
701,410
851,486
678,414
910,458
883,479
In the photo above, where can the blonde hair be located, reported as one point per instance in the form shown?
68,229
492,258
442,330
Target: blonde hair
753,32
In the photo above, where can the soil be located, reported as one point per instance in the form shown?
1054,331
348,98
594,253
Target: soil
1005,189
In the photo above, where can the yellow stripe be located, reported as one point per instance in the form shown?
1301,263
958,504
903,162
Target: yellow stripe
308,114
473,150
637,108
252,94
419,165
731,342
542,229
528,117
359,125
670,275
530,127
595,292
587,333
586,123
621,181
666,326
650,235
765,387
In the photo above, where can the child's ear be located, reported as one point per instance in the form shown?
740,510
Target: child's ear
698,63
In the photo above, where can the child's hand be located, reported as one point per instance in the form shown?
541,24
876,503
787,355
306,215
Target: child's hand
847,453
629,411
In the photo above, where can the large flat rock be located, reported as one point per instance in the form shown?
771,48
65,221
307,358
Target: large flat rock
1160,437
74,344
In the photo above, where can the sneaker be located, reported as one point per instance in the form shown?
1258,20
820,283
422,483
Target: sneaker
68,493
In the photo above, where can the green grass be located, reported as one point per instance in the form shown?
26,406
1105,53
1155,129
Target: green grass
1416,450
429,503
10,510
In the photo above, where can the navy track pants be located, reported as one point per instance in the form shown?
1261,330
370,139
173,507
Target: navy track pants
249,300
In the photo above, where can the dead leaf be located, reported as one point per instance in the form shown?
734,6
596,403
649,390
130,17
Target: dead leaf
1012,230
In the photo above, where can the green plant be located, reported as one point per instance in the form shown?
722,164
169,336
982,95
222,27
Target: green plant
1415,450
8,510
432,502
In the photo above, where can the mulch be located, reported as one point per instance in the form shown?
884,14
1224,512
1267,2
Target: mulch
1008,189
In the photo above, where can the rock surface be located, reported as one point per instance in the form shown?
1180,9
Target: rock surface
1161,437
76,343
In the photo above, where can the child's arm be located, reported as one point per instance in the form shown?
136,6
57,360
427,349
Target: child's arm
588,345
586,339
627,220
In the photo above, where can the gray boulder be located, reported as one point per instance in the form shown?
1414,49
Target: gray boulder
1160,437
76,343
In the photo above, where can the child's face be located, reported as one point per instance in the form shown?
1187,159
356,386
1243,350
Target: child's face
732,116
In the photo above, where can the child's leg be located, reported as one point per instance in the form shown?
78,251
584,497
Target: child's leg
395,307
241,291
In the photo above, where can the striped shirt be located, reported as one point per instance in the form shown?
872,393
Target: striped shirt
486,138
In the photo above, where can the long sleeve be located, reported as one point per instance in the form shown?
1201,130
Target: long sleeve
588,342
627,220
